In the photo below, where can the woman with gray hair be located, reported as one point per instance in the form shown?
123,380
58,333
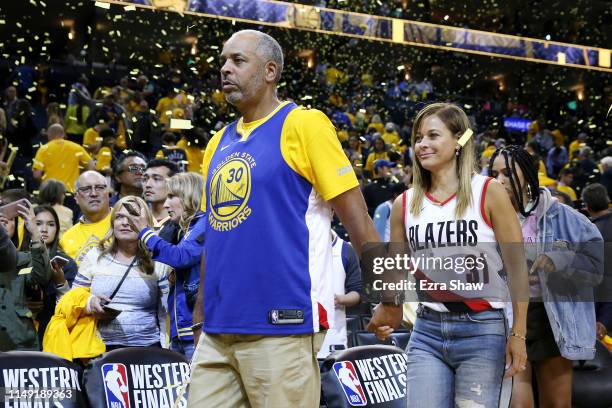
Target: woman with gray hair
183,206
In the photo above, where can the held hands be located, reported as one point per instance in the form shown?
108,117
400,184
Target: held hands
385,319
516,356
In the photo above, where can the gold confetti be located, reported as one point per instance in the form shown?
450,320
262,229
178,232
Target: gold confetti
102,5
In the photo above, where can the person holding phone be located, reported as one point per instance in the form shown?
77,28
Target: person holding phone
33,271
128,289
183,207
64,268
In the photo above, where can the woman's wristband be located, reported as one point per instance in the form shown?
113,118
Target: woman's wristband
197,326
513,334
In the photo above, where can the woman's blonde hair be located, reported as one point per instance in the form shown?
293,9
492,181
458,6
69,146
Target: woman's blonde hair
455,119
188,187
108,244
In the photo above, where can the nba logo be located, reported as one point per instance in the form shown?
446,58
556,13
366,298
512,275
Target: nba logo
116,385
347,375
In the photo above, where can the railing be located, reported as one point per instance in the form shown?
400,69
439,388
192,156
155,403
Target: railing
365,26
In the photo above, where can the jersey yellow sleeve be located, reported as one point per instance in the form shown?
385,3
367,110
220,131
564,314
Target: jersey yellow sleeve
90,137
39,159
211,147
84,157
104,158
310,146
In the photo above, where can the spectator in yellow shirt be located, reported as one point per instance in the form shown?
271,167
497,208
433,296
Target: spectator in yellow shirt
390,136
92,198
193,144
172,152
577,144
75,121
60,159
107,153
378,153
376,124
166,106
566,177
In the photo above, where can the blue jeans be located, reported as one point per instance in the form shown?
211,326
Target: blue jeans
184,347
456,359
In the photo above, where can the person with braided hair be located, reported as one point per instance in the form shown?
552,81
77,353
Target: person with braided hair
565,263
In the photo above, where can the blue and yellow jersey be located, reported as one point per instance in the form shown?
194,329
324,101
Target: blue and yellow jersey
268,245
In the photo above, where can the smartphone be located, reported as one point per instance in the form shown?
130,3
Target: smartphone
131,209
59,261
110,312
10,210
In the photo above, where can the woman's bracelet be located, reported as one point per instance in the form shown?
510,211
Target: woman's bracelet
513,334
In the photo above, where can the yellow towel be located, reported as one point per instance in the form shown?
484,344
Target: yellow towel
71,333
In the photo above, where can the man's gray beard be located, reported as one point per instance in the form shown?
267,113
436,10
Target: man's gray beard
233,97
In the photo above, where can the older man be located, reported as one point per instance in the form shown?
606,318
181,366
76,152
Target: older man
92,198
279,169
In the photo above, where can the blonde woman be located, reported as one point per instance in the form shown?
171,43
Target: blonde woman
122,265
183,206
459,350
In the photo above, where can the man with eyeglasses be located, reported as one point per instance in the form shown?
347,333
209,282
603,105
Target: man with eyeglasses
92,198
129,175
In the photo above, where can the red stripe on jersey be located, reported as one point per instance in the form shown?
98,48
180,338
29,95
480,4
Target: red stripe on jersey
440,203
482,202
446,296
323,317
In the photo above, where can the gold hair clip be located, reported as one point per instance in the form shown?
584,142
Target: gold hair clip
466,136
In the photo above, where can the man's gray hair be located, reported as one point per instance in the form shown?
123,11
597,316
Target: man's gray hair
269,49
87,172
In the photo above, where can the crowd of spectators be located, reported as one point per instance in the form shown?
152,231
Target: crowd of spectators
105,146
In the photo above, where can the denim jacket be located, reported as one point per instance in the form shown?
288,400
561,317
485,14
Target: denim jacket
578,269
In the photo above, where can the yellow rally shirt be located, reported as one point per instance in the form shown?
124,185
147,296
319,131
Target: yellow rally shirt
62,160
79,239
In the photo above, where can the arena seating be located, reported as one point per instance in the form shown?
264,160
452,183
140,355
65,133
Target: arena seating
371,376
592,381
147,376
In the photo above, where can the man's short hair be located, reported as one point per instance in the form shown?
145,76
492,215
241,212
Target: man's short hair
168,137
106,132
269,49
595,196
170,165
132,153
76,183
566,171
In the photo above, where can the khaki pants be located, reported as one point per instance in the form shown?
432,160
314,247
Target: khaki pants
241,371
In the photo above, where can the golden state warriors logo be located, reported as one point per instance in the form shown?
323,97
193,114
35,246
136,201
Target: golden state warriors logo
230,188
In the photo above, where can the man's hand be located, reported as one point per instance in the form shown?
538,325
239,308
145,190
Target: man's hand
385,319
